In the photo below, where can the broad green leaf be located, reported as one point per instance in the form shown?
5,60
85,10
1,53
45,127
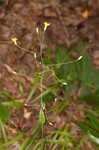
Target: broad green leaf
92,99
85,69
85,90
60,55
96,79
70,86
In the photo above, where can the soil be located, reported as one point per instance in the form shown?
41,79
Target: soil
68,25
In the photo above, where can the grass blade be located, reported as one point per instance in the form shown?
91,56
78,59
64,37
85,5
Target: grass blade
34,136
21,88
3,131
35,84
25,142
44,93
81,143
18,137
59,142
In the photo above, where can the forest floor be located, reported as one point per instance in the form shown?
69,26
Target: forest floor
70,21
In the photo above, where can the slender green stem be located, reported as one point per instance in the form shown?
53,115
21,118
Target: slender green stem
3,132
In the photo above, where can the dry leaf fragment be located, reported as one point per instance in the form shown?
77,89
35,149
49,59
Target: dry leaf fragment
26,114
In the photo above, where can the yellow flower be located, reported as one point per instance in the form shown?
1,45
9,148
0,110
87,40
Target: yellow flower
85,14
46,24
14,40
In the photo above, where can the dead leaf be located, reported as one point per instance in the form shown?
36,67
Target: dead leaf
26,114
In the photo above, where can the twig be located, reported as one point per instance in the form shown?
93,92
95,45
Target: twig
25,50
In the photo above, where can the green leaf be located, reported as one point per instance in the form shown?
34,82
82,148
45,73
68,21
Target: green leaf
47,59
42,117
43,105
6,95
92,121
3,131
70,86
44,93
83,127
12,103
21,88
49,97
91,127
92,99
85,69
4,113
60,55
25,142
85,91
63,105
81,47
96,79
39,143
81,142
36,132
94,139
18,137
63,65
